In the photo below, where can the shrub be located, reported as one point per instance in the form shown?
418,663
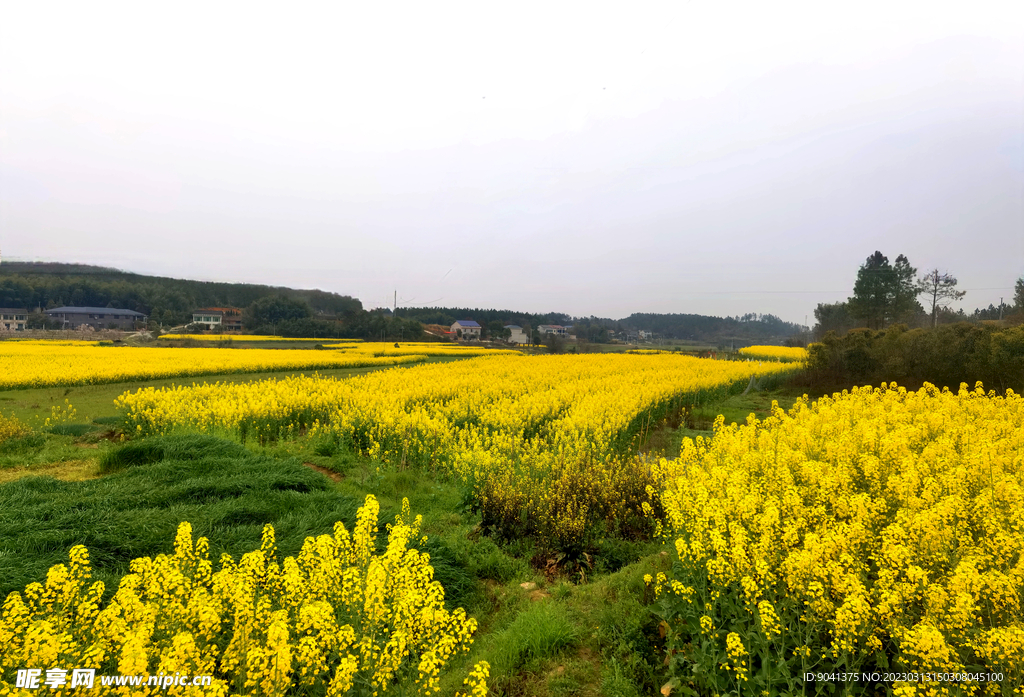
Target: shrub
945,356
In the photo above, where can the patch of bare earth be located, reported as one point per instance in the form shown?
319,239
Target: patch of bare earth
68,470
330,474
92,440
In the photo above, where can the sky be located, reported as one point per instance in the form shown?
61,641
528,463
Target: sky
594,159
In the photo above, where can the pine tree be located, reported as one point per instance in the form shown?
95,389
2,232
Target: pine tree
884,293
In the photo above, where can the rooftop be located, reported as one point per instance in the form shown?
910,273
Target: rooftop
222,310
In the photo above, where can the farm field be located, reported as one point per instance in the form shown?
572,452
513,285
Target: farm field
246,338
44,364
33,405
549,517
686,346
350,346
875,530
420,348
774,353
543,445
53,363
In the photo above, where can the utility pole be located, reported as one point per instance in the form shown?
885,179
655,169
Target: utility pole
1000,308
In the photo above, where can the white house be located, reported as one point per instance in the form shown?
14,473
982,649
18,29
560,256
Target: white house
552,329
518,336
219,318
469,329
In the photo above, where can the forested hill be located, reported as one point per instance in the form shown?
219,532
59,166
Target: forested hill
704,328
746,328
169,301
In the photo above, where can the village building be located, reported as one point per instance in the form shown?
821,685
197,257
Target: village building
13,319
556,329
517,335
224,319
467,328
97,317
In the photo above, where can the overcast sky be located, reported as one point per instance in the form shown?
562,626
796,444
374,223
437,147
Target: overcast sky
701,157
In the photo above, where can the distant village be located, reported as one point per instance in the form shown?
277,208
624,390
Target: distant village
229,320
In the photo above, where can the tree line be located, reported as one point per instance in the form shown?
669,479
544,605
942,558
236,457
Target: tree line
946,356
170,302
751,327
887,293
884,332
280,315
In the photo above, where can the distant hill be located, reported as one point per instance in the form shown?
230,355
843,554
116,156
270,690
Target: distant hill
169,301
749,327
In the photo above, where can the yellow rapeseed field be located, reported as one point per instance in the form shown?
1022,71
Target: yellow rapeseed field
544,444
877,531
358,346
233,337
423,348
26,364
337,619
775,353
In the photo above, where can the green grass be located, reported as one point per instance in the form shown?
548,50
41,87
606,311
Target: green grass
42,450
463,561
74,430
226,492
557,643
735,408
596,638
539,632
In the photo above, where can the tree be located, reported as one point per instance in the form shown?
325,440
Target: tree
939,289
528,330
871,291
272,309
884,292
555,343
496,330
832,317
904,292
1018,294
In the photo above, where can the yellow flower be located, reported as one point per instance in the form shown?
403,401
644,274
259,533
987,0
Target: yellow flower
295,622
